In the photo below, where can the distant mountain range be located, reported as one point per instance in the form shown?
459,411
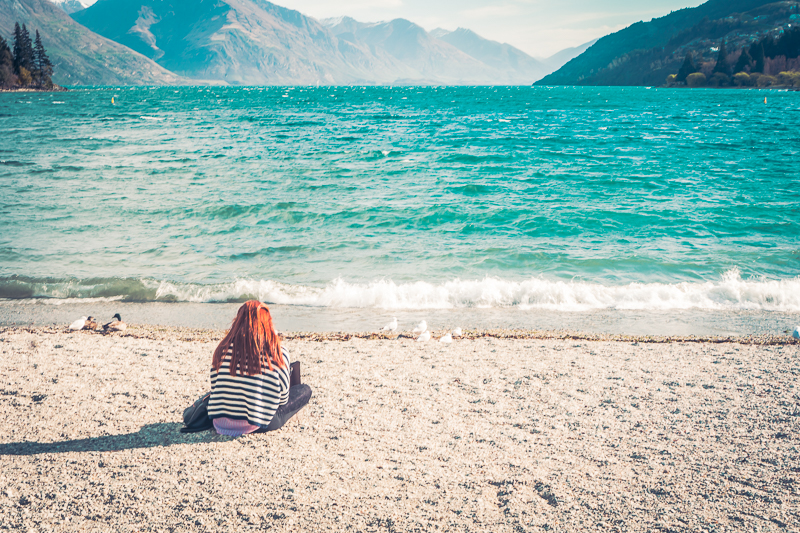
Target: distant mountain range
256,42
79,56
71,6
647,52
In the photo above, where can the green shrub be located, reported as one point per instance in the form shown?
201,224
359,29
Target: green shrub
25,77
767,81
671,79
698,79
789,79
719,79
742,79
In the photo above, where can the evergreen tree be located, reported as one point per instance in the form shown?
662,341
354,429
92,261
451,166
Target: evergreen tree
7,77
18,40
688,67
722,61
23,52
43,69
745,61
757,53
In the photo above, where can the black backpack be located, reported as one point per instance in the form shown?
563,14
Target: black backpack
195,417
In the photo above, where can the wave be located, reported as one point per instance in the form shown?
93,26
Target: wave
730,292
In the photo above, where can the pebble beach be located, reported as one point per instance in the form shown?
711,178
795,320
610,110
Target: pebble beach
498,431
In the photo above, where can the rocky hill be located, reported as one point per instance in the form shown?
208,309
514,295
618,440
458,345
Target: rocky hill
513,66
79,56
647,52
257,42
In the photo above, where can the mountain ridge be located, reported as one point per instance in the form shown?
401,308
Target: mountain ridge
645,52
258,42
79,56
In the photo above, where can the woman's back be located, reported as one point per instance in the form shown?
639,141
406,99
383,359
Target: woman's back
238,396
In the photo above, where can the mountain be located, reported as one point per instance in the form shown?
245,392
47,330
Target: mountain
646,52
237,41
72,6
257,42
561,58
79,56
420,55
513,65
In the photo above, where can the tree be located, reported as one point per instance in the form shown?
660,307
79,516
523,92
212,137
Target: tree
18,40
744,63
719,79
696,79
722,61
688,67
23,51
757,53
43,69
7,77
742,79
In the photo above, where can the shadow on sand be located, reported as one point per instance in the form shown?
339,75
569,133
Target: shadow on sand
150,436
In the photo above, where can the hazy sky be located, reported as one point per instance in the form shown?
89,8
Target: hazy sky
539,27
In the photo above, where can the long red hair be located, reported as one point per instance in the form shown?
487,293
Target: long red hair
255,342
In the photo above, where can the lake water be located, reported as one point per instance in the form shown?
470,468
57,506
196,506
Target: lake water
502,206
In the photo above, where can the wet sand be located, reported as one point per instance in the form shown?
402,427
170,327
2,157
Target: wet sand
513,431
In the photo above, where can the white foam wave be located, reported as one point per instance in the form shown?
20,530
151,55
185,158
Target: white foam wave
730,292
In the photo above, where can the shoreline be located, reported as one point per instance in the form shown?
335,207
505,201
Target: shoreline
188,334
54,89
485,434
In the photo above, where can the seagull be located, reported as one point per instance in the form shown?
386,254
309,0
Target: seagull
447,339
391,326
796,332
426,336
78,324
457,332
115,325
421,327
90,324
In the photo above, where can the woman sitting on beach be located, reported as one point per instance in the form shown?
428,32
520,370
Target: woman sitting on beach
250,377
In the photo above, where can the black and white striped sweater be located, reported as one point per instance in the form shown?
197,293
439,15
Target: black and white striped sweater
251,398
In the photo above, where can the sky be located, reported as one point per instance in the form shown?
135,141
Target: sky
538,27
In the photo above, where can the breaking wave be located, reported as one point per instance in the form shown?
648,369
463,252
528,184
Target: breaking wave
730,292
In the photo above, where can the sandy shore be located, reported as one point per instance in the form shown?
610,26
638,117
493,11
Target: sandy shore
486,434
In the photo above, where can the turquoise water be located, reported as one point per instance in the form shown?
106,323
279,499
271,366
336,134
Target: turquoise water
512,198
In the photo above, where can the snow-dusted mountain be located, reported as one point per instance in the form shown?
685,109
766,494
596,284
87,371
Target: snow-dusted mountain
72,6
257,42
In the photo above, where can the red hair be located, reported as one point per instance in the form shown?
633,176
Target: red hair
254,341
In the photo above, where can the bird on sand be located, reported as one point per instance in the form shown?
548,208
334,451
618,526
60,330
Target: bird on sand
457,332
447,339
90,324
115,325
391,326
78,324
421,327
424,337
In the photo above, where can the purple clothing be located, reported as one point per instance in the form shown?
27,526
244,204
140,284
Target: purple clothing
233,428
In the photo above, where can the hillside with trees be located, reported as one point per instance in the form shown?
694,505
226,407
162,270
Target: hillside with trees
770,62
27,66
647,53
79,56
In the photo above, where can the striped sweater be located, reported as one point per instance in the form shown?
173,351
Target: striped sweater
251,398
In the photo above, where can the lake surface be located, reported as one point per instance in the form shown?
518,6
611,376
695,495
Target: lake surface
509,202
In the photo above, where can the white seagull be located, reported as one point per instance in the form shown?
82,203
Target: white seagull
457,332
447,339
78,324
391,326
425,337
421,327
